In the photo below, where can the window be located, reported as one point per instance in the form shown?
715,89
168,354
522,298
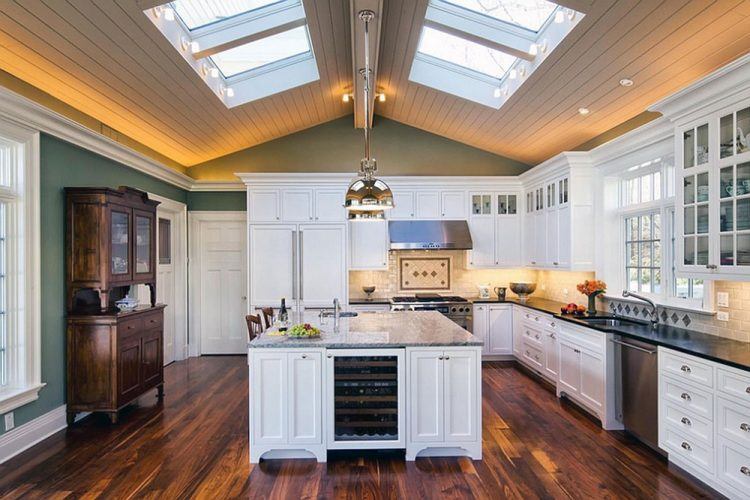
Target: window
198,13
644,253
682,288
464,53
261,52
642,189
529,14
20,357
165,241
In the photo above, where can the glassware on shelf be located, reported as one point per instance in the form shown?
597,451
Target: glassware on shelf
743,214
743,130
142,244
701,253
688,145
726,216
689,250
726,136
702,188
688,184
726,183
120,232
701,150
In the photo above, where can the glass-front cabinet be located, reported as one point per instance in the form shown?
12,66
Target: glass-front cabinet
144,223
120,243
713,190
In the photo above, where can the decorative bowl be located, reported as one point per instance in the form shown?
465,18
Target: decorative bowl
523,290
368,291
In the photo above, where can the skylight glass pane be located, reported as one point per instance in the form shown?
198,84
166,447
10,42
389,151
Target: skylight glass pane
465,53
261,52
529,14
197,13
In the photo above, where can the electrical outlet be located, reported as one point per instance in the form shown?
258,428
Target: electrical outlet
722,316
722,299
565,292
9,421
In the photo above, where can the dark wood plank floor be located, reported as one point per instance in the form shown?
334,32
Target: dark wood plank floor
195,445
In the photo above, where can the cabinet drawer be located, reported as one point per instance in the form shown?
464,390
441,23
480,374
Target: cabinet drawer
688,449
586,338
733,421
734,465
130,326
688,398
734,384
687,368
691,425
532,354
533,336
152,320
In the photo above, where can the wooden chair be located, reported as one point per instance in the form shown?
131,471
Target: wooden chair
254,326
267,316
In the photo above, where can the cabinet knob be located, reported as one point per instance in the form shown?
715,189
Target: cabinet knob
556,263
745,470
552,324
330,355
447,357
576,351
685,368
277,217
311,218
711,266
686,446
685,396
686,421
440,357
745,427
747,389
304,356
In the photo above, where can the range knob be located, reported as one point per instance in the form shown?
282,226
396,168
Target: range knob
453,309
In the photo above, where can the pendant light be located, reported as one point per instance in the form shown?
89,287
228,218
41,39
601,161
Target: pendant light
367,196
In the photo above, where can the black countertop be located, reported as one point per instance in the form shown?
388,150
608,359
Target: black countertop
374,300
541,305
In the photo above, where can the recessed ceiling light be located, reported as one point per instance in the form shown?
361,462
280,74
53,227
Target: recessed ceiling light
583,111
626,82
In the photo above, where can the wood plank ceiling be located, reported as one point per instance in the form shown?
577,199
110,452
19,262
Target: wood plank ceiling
107,60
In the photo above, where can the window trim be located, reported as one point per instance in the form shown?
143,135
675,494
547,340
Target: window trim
24,315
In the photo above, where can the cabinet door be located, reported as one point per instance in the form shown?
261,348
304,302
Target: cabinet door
329,205
564,236
592,380
529,242
264,205
322,256
453,205
144,245
461,402
508,241
517,332
128,368
551,354
297,205
483,241
426,396
152,357
540,239
121,248
480,325
305,397
500,330
403,205
552,252
368,244
268,420
428,205
569,379
273,264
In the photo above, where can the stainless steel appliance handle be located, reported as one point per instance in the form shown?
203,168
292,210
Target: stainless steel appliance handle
301,266
647,351
294,265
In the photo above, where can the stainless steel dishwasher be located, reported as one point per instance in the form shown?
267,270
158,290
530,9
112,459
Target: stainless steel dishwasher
639,385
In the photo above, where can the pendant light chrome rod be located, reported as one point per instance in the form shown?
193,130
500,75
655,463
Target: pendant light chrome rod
367,165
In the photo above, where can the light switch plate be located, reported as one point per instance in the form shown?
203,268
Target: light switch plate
722,316
722,299
9,421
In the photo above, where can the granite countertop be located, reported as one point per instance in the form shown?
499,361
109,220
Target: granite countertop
375,330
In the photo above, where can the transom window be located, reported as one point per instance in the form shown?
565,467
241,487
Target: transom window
198,13
642,189
529,14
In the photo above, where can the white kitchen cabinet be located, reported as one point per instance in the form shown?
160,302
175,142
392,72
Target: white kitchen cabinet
500,329
482,231
403,205
297,205
508,241
287,411
444,403
495,229
323,272
517,331
264,205
368,244
569,378
329,205
592,386
272,258
453,205
551,353
540,239
529,239
480,324
427,205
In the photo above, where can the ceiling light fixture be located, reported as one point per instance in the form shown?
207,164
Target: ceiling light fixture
156,11
571,14
169,14
346,97
559,16
195,47
497,94
214,72
367,196
381,97
583,111
513,74
626,82
184,43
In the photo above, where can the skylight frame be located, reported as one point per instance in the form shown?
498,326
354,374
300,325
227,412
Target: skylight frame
511,23
173,5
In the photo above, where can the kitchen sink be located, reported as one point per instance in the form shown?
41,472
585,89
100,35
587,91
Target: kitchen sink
609,321
348,314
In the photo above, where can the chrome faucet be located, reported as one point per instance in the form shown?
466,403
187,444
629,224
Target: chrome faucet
654,311
335,312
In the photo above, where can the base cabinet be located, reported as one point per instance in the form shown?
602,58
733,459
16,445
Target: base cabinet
444,402
493,323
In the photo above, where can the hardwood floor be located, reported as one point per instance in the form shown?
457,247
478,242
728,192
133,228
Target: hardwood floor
195,445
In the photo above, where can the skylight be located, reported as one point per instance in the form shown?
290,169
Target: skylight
261,52
529,14
468,54
198,13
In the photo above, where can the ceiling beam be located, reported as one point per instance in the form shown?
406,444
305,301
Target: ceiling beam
358,55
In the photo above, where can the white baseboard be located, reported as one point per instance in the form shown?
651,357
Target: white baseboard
27,435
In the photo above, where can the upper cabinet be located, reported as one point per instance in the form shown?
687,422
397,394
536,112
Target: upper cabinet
713,194
425,204
495,228
296,205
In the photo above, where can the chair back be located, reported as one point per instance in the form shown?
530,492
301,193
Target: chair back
267,316
254,325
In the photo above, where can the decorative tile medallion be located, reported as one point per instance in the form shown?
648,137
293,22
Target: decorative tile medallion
424,273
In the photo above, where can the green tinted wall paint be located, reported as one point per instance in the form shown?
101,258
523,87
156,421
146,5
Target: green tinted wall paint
217,200
63,164
336,146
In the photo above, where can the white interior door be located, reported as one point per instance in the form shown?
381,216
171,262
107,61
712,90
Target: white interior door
322,258
165,278
222,287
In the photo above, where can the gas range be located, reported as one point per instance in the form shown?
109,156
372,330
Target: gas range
455,308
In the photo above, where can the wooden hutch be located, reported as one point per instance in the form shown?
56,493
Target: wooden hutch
113,357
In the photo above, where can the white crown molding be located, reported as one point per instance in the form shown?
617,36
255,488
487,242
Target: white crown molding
727,84
558,164
212,186
403,181
656,137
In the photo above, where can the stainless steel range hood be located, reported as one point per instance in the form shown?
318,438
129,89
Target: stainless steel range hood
429,235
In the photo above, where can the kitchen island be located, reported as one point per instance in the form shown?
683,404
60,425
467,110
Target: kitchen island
395,380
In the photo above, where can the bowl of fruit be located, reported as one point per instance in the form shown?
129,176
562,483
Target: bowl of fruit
572,308
304,330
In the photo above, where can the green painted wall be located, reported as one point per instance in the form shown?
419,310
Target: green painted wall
219,200
336,146
63,164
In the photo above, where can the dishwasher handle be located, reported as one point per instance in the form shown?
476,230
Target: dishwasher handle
631,346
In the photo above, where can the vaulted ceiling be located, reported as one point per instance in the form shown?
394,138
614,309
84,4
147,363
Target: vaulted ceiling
106,59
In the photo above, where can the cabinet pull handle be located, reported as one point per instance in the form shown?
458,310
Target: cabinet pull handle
747,389
576,351
686,396
552,324
686,446
552,336
536,318
447,358
528,315
685,368
686,421
745,427
745,470
537,336
711,266
330,355
304,356
556,263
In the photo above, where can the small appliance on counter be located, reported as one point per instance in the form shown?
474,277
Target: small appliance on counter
523,290
369,290
500,292
484,291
